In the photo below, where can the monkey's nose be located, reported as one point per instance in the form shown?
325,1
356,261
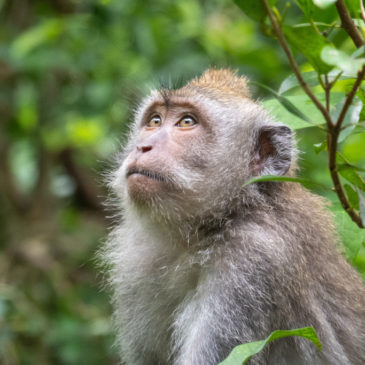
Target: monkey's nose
144,149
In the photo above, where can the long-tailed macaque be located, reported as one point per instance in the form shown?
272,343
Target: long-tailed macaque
199,263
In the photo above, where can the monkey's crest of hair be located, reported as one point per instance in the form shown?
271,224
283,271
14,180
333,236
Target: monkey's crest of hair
224,80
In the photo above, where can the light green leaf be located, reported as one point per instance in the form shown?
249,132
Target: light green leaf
351,118
242,353
285,102
348,64
319,147
254,8
311,78
302,103
310,44
323,4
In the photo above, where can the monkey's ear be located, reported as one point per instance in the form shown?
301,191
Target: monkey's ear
273,151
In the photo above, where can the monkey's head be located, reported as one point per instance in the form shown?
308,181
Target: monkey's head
191,149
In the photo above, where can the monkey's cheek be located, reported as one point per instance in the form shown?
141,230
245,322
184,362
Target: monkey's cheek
143,188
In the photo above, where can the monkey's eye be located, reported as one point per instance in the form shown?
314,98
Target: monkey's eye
154,122
186,122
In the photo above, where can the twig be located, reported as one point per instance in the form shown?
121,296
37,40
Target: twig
349,98
332,138
333,130
327,89
348,24
278,32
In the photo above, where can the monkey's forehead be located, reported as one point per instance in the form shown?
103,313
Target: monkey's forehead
193,96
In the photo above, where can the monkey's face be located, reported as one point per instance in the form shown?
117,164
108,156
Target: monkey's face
166,158
191,150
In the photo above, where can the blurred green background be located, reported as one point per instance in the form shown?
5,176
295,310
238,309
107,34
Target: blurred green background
71,72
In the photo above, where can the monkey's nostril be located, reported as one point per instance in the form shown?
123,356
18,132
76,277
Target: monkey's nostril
145,148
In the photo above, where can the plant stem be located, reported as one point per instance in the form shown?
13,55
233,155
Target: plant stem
348,24
333,129
278,32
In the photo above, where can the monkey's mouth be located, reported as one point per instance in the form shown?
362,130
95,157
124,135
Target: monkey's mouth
148,173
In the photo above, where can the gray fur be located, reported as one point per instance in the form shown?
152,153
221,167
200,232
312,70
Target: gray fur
207,265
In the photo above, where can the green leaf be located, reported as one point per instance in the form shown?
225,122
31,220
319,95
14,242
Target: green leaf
307,7
352,176
353,6
361,206
311,78
348,64
323,4
285,102
351,235
319,147
302,103
310,44
242,353
351,118
276,178
254,8
352,195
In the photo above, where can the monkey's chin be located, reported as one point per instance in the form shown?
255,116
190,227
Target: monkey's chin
142,188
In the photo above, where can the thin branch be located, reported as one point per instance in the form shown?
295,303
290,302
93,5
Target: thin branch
332,163
332,138
333,130
350,98
278,32
327,89
348,24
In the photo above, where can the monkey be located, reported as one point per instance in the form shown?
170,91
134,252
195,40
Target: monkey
199,262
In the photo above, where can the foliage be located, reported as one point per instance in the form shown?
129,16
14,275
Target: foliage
242,353
70,73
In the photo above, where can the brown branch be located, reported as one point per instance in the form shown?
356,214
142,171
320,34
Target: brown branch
332,138
278,32
333,130
348,24
350,98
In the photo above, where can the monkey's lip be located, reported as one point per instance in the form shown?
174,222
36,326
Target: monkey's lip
148,173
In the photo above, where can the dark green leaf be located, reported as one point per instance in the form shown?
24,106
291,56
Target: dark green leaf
253,8
310,44
242,353
307,7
